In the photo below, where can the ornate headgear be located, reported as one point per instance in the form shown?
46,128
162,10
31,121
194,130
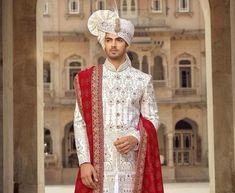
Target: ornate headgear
103,21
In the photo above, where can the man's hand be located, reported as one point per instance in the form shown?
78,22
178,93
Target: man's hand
88,175
125,144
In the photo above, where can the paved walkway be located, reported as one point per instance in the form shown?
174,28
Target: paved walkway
168,187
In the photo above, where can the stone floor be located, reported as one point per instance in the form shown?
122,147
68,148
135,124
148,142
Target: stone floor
197,187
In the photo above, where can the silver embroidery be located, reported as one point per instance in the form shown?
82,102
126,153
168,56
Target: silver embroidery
126,92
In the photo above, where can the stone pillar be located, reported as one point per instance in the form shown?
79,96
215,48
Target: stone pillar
170,161
7,25
27,99
232,9
40,98
1,107
222,95
204,158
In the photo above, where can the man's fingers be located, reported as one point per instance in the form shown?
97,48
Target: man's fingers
125,150
125,144
122,145
122,139
88,182
119,141
87,174
94,174
85,182
91,183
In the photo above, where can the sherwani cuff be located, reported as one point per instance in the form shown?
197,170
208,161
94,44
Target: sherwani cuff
83,160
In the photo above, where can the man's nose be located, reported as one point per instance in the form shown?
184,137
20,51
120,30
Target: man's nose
113,43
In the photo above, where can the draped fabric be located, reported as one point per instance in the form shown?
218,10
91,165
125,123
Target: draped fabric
85,99
88,86
152,174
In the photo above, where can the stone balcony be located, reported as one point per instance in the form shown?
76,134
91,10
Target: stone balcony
48,89
148,21
51,160
185,92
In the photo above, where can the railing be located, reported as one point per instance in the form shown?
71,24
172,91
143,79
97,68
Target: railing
183,157
146,18
158,83
185,91
48,89
50,160
47,86
70,93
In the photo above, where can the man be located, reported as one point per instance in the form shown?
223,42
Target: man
115,117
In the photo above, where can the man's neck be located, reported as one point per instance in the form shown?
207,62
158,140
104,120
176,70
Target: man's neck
117,63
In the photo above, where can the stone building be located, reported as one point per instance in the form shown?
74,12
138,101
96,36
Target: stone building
22,107
169,44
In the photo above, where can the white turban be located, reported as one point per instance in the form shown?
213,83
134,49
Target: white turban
103,21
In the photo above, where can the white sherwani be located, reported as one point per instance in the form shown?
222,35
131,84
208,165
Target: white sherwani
126,92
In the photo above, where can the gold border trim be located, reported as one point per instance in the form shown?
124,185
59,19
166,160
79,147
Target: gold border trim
97,122
140,161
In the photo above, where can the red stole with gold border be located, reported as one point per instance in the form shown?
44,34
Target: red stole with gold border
88,86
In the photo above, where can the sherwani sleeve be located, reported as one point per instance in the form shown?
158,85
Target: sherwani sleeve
81,140
148,109
148,104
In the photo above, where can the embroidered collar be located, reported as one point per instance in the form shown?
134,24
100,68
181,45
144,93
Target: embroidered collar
122,67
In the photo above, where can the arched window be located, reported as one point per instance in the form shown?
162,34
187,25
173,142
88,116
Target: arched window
47,142
101,60
145,65
184,143
75,65
124,6
129,8
162,143
47,76
134,59
158,69
74,6
46,72
101,4
185,73
46,8
157,6
133,6
183,5
71,160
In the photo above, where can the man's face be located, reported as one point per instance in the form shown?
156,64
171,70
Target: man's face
115,47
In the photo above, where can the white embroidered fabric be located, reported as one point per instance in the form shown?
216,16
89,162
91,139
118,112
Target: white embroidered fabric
126,93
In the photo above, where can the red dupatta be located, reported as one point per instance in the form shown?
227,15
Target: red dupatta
88,86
